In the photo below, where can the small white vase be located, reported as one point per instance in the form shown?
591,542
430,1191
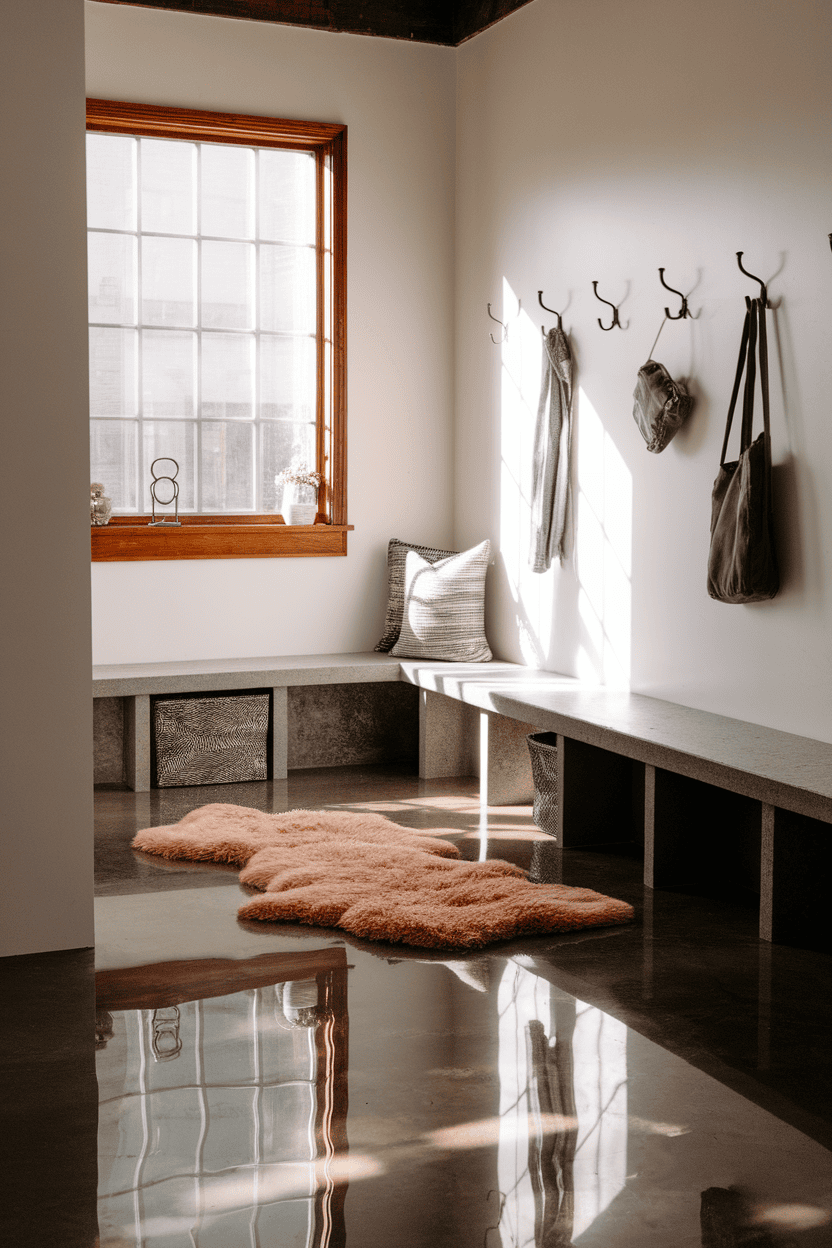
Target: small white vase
301,513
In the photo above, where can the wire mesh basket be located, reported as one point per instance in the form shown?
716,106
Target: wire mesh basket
544,755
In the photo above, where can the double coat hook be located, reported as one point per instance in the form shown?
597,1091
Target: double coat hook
763,290
615,318
504,328
685,310
559,315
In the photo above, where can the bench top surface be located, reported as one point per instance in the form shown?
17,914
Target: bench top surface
764,763
119,679
781,768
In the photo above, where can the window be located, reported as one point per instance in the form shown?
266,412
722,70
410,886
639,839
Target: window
216,259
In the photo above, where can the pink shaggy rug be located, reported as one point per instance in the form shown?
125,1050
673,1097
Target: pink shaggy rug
371,877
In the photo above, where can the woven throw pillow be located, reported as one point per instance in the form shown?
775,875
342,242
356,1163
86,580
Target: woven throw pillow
396,556
443,608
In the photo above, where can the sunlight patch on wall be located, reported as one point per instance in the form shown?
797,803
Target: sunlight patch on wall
603,508
533,593
599,526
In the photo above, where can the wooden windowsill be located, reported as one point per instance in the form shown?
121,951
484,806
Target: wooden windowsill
128,538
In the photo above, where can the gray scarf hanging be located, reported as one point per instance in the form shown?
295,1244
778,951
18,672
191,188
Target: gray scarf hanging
552,453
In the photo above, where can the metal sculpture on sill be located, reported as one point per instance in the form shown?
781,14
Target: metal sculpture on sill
165,502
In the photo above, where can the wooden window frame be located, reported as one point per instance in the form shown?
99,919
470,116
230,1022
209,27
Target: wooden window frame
247,536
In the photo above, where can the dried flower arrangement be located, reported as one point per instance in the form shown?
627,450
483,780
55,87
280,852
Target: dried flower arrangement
298,473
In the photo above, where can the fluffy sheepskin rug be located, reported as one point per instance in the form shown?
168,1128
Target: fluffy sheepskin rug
375,879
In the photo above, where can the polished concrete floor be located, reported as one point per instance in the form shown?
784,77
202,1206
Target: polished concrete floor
667,1083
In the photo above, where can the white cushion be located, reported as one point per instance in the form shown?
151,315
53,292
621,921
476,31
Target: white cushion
443,608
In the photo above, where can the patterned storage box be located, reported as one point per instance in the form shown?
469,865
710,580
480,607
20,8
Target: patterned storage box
221,739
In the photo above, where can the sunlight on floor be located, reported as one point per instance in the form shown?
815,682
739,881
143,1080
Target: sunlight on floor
467,820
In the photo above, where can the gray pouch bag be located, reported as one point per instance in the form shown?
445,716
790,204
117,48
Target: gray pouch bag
661,405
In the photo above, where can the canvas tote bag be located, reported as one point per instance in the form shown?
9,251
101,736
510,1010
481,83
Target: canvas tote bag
741,562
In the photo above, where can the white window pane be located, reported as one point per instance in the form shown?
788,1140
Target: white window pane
281,443
173,439
287,196
168,373
328,189
228,376
287,289
227,191
288,378
114,459
113,372
168,186
111,182
227,466
168,281
111,275
228,463
228,285
327,405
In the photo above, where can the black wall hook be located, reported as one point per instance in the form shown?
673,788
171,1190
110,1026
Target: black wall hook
559,315
615,319
685,310
504,328
763,290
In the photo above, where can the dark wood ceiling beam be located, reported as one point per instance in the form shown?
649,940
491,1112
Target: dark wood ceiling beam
423,21
472,16
429,21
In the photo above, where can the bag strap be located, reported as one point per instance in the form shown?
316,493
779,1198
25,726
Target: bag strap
764,390
656,339
746,429
737,378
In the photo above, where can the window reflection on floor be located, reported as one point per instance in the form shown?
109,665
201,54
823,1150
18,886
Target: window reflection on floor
215,1126
562,1154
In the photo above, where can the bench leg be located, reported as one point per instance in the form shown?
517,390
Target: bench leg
137,742
668,830
460,740
767,872
698,835
280,732
595,795
447,736
796,863
505,769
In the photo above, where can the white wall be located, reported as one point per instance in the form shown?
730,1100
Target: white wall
398,101
600,142
45,708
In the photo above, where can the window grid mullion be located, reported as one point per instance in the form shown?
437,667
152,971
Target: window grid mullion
258,431
198,385
211,238
140,467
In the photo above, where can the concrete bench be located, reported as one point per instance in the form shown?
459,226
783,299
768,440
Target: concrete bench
138,682
709,798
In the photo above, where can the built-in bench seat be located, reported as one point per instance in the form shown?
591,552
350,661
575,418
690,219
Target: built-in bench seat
710,798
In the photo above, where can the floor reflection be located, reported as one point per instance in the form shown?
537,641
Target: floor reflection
488,1106
220,1116
563,1111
